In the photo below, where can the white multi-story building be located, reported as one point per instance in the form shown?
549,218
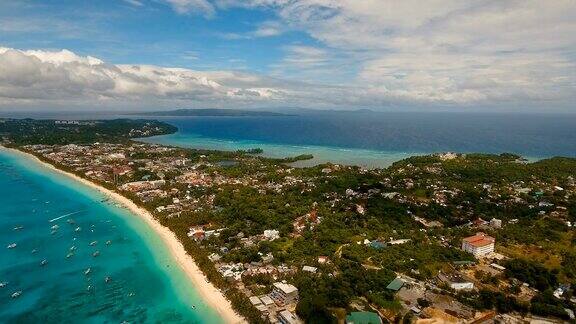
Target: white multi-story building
284,294
479,244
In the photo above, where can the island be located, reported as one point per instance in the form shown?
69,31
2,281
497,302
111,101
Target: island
212,112
447,236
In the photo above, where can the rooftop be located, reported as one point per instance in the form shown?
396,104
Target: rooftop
286,288
480,239
395,284
363,318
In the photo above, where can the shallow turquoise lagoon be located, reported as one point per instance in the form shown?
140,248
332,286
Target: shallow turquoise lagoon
321,154
132,277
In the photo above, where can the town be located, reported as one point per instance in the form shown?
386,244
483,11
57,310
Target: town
447,237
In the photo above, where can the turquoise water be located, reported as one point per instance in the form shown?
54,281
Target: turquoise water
145,283
373,139
322,154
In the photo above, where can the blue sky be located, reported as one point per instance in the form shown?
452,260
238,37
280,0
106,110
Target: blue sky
310,53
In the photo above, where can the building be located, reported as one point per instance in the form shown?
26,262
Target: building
395,284
456,281
309,269
197,233
496,223
363,318
283,293
323,259
286,317
271,235
479,244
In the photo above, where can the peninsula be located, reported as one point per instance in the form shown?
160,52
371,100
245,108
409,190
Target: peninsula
456,237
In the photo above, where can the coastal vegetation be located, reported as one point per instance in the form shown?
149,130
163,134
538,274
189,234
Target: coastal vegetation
31,131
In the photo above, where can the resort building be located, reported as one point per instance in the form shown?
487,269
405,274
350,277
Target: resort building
479,244
286,317
284,294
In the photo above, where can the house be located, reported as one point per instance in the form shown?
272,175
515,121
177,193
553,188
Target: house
255,301
400,241
456,281
309,269
496,223
266,300
283,293
287,317
395,284
214,257
363,318
479,222
197,233
479,244
323,259
271,235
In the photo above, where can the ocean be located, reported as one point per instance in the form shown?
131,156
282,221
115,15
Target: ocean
132,276
374,139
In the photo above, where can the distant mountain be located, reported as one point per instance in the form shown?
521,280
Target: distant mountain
210,112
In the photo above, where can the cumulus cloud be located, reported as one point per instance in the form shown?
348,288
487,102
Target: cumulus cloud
440,50
62,75
367,53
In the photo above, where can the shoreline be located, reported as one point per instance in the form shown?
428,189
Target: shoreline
208,292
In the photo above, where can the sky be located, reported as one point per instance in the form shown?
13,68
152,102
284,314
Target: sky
496,55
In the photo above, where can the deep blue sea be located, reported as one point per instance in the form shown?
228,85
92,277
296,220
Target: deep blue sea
377,139
145,284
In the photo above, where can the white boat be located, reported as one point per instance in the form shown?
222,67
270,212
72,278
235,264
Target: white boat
55,227
11,246
17,294
107,279
3,284
69,255
78,229
93,243
73,248
34,251
108,242
44,262
95,254
87,272
17,228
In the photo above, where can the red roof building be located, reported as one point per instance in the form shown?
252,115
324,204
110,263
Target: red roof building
479,244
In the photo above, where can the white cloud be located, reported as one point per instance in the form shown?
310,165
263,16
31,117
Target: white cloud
265,29
202,7
135,3
440,50
268,29
59,76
